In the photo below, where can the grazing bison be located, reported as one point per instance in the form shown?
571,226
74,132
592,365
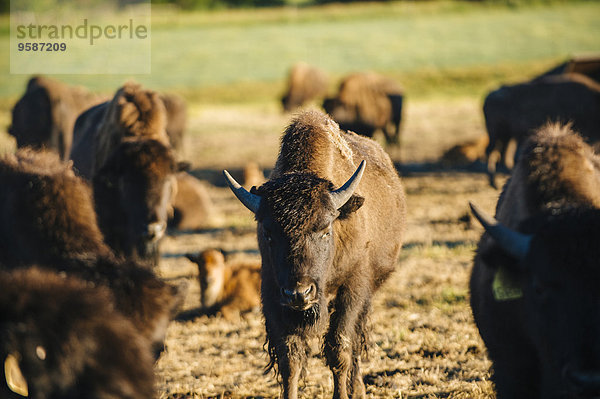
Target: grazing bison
534,290
366,102
230,288
133,192
513,112
192,207
305,83
48,219
325,250
62,338
176,119
44,117
132,113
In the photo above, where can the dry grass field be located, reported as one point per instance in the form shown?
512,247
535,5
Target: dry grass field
423,343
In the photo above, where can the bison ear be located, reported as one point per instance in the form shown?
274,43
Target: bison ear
352,205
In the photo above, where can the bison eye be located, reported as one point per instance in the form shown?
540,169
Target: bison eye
326,234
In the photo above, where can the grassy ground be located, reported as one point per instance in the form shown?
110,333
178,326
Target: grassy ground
244,55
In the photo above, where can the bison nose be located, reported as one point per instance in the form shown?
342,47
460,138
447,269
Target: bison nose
301,297
155,231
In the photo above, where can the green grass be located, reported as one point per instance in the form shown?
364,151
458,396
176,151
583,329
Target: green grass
433,49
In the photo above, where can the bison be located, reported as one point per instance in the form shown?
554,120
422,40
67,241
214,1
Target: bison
534,291
230,288
133,192
327,243
60,337
132,113
366,102
48,219
193,208
44,117
305,83
513,112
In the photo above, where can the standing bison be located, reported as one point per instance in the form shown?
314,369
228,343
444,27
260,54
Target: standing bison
534,285
512,113
366,102
305,83
122,146
327,244
44,117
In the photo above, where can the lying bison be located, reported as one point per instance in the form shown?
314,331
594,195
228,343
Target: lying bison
228,288
513,112
327,244
48,218
366,102
44,117
534,290
305,83
62,338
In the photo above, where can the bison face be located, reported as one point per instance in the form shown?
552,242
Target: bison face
133,193
558,266
296,216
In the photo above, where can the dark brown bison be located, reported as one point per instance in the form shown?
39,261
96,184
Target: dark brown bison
132,113
133,192
44,117
366,102
176,119
305,83
512,113
229,288
585,64
60,337
534,290
327,244
48,219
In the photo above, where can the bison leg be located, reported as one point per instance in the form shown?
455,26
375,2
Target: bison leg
290,354
341,346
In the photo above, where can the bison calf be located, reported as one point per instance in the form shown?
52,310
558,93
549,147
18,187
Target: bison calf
227,288
61,337
534,285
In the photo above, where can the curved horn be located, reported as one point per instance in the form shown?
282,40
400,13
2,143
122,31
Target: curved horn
250,201
340,196
515,243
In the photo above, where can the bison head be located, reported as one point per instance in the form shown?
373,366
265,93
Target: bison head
558,268
296,235
133,192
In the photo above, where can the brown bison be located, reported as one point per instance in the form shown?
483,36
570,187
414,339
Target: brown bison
192,207
305,83
132,113
366,102
230,288
513,112
44,117
327,244
62,338
176,119
466,153
534,290
133,192
48,219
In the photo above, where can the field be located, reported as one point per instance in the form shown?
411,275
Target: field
447,55
424,343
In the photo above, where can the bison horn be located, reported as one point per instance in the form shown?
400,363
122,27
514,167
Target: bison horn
340,196
250,201
515,243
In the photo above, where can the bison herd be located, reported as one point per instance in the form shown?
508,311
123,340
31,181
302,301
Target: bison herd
96,181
